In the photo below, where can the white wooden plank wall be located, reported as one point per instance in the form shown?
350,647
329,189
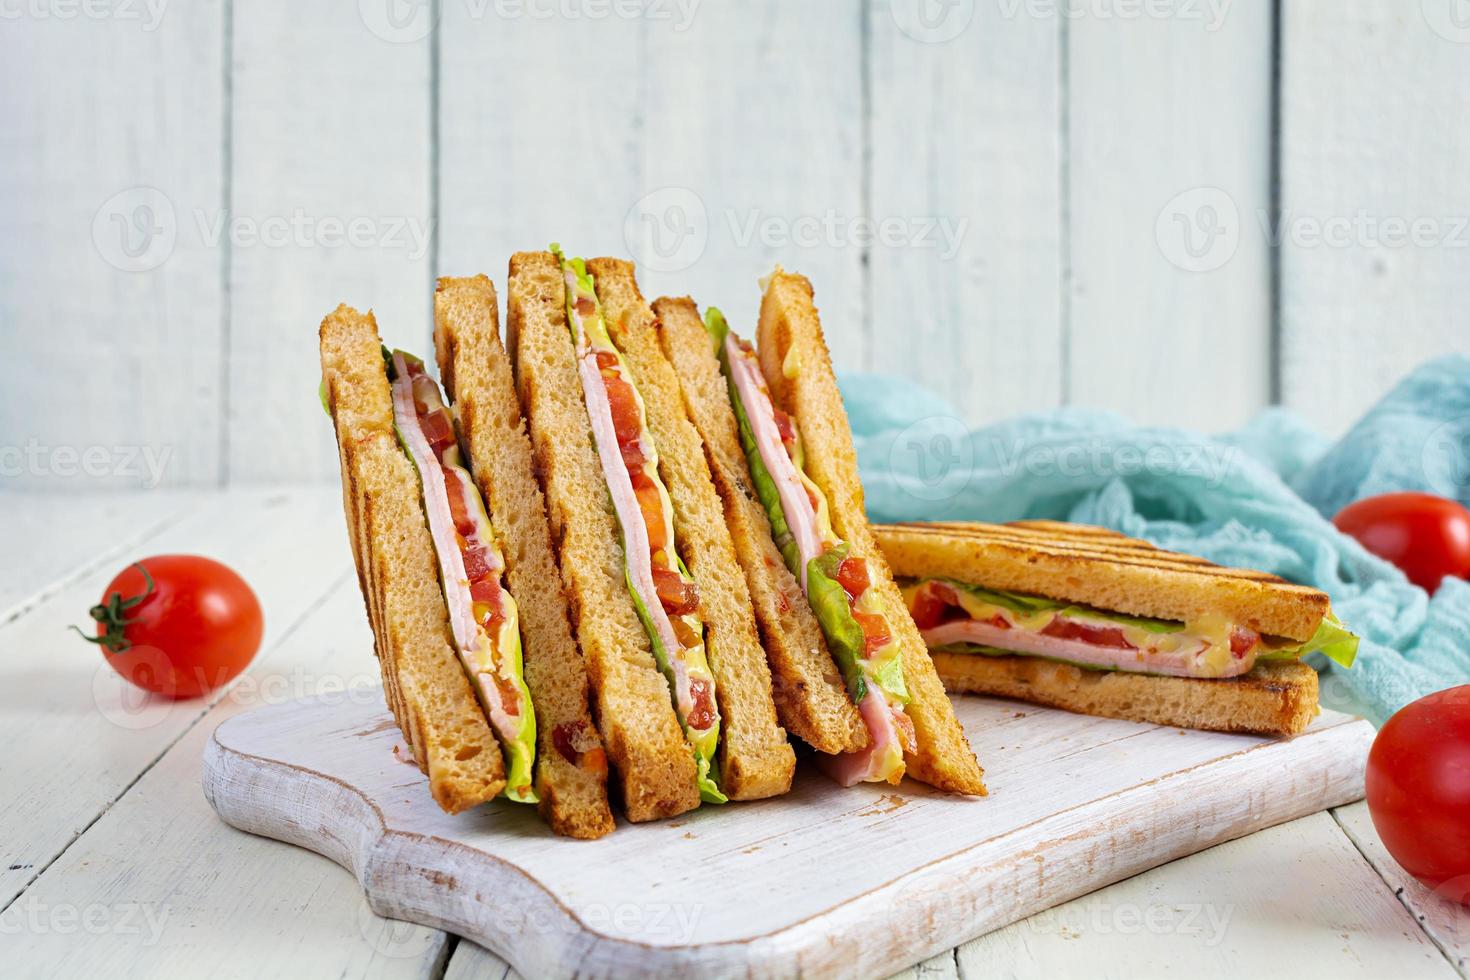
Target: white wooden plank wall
1375,253
110,309
330,202
967,164
991,197
1169,135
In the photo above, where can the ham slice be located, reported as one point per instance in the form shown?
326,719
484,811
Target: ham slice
867,764
1185,661
625,504
468,637
801,518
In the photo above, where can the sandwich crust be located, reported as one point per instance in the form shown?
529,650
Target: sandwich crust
811,700
1275,698
423,680
756,761
477,378
634,710
798,369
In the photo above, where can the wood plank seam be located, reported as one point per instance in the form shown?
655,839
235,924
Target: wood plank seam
1398,892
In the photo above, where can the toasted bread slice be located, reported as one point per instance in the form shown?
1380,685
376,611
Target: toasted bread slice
424,683
811,700
635,713
1102,568
798,369
1275,698
476,374
756,761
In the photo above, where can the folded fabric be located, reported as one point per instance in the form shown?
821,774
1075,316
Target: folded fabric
1260,498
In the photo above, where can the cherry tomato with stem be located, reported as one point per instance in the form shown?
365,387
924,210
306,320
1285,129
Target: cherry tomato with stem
178,625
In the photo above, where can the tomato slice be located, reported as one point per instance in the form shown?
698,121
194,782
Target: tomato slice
1063,628
852,575
875,631
459,509
585,307
702,711
510,697
438,430
784,426
678,597
1243,640
477,563
633,458
652,506
934,603
627,422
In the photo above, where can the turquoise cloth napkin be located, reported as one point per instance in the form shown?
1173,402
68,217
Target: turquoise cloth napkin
1261,497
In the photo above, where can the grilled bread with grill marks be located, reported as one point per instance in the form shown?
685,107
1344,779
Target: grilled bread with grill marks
1099,567
1060,561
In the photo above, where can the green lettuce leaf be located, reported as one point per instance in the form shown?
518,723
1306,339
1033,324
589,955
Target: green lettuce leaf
520,751
844,636
707,775
717,328
1332,640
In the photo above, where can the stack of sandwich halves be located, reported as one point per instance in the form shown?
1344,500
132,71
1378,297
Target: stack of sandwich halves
630,547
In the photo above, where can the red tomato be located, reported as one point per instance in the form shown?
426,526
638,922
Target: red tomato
1418,789
852,575
185,626
1426,536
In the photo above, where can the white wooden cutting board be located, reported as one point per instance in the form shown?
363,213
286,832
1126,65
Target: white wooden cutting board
821,882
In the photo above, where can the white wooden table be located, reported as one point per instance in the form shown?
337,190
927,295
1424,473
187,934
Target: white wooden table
114,865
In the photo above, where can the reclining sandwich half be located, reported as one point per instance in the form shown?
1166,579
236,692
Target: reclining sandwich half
431,564
1086,619
852,671
661,610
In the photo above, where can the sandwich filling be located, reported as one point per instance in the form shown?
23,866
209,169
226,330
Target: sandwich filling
852,615
482,615
666,597
964,618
